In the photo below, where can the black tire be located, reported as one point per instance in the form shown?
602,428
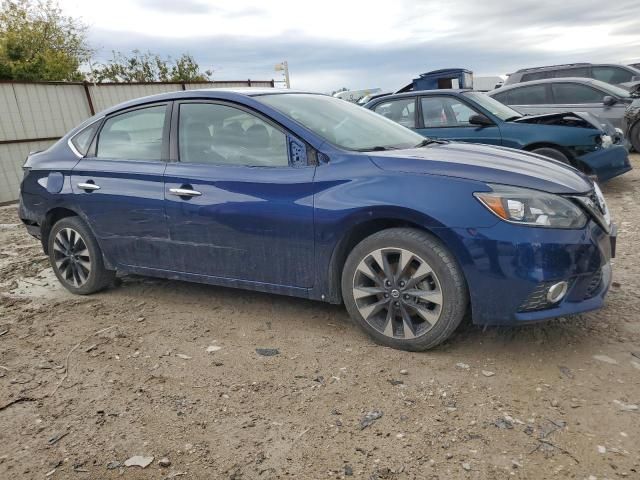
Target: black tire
552,153
71,272
449,281
634,136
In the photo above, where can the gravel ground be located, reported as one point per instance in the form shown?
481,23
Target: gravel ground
169,370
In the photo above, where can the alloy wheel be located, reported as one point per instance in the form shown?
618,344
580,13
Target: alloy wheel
397,293
71,257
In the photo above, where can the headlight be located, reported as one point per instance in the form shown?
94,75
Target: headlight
605,141
530,207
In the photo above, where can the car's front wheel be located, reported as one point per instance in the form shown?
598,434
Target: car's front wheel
552,153
404,288
76,258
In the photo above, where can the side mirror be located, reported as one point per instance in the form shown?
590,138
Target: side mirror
608,100
480,120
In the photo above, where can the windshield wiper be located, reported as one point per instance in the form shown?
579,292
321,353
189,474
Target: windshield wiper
377,148
429,141
514,117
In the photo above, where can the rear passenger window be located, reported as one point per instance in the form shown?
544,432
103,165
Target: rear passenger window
570,72
531,95
527,77
135,135
401,111
223,135
575,93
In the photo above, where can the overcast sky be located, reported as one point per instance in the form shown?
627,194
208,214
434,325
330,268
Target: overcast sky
361,44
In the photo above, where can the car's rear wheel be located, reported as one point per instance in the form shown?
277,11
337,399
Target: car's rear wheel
76,258
552,153
404,288
634,136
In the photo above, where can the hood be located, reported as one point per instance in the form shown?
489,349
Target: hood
570,119
632,87
486,164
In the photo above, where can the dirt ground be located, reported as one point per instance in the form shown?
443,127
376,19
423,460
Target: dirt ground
173,373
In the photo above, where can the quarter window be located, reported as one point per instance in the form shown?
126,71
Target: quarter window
82,140
575,93
530,95
223,135
135,135
401,111
442,111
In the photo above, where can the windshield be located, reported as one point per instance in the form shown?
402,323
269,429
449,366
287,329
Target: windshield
611,89
500,110
342,123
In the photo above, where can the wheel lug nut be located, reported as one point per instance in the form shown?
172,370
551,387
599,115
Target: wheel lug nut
386,295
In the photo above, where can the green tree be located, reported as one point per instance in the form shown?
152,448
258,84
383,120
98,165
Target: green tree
149,67
39,43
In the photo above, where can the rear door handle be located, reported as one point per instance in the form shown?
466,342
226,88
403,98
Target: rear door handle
184,192
88,186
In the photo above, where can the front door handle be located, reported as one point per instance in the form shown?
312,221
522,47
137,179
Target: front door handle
88,186
185,192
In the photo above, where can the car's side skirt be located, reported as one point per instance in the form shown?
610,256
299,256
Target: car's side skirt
219,281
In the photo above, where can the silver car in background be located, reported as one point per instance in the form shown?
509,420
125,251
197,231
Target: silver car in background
606,72
616,105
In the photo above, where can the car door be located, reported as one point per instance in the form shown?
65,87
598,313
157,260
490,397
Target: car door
444,116
569,96
119,185
239,197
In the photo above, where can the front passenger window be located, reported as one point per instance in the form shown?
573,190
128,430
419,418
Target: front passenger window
444,111
224,135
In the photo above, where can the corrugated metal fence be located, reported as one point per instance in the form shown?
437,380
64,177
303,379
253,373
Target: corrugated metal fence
34,115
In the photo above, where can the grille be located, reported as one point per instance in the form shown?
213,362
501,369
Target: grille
537,300
594,285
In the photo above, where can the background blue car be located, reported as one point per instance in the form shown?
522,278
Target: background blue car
308,195
579,139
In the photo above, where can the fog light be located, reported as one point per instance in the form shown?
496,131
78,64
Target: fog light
557,292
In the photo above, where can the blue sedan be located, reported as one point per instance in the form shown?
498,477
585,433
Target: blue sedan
580,139
307,195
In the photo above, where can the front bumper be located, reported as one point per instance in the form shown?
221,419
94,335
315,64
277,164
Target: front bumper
607,163
508,266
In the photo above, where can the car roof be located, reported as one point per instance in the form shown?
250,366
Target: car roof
203,93
544,80
570,65
413,93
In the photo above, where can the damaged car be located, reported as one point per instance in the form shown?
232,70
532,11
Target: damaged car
582,140
611,103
